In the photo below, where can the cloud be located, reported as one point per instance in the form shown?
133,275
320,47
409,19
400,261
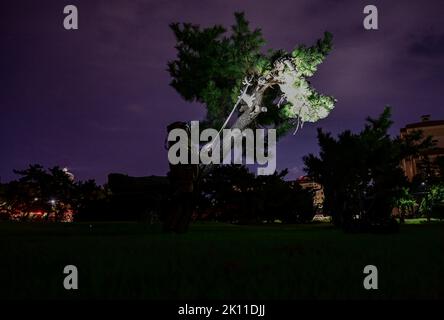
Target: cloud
429,44
295,172
136,108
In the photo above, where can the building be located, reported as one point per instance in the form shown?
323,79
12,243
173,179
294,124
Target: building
435,128
317,189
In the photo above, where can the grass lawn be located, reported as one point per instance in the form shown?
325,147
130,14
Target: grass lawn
217,261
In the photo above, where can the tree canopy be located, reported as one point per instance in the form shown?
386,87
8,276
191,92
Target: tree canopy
214,68
361,172
50,192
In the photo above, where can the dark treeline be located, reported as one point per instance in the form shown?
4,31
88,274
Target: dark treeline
47,195
361,175
230,193
363,180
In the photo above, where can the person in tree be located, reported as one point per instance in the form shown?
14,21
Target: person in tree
183,180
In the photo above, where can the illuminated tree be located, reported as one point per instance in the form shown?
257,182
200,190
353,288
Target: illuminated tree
229,73
231,76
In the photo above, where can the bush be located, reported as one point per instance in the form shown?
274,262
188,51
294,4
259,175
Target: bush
438,212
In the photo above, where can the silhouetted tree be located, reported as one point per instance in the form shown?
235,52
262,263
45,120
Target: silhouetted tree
239,196
52,192
91,202
284,200
40,190
361,172
439,162
4,212
135,198
230,190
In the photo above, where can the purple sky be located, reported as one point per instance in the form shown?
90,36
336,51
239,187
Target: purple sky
97,99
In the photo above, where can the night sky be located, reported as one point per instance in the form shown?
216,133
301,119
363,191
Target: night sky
97,99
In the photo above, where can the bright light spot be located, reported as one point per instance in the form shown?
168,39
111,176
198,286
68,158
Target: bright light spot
305,104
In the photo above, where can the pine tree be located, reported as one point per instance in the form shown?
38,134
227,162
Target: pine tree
219,69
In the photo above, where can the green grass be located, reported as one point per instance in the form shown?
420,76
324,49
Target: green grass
219,261
420,221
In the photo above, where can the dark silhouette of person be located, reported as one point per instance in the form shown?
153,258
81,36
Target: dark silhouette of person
183,180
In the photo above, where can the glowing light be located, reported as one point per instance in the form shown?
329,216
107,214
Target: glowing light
303,103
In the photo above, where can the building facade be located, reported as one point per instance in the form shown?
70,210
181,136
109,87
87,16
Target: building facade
317,189
435,128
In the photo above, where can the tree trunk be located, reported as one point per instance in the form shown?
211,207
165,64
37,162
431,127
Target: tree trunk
401,216
248,115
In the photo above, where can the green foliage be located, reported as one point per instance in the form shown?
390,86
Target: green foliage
405,202
211,65
308,58
433,197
